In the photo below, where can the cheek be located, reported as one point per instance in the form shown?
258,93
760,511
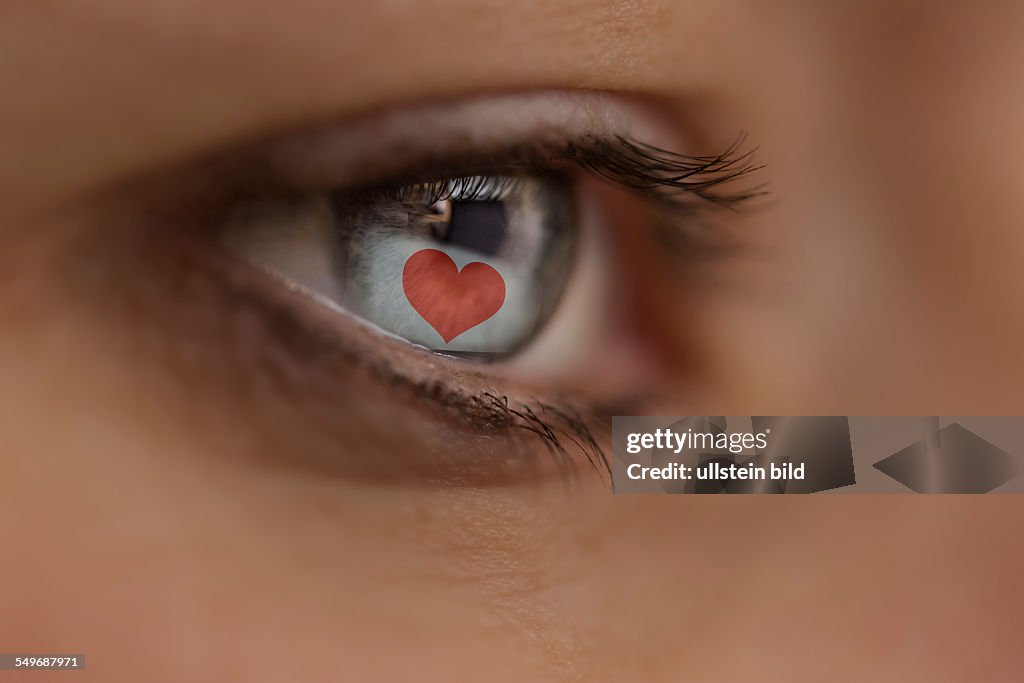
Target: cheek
194,563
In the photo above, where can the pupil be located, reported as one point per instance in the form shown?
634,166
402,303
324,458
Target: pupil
479,225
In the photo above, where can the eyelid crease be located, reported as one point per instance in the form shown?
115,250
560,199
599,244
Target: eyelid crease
379,146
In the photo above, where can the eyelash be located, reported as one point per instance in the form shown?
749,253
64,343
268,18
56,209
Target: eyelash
467,188
672,179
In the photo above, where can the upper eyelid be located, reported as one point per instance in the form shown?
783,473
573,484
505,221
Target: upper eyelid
670,178
476,131
612,137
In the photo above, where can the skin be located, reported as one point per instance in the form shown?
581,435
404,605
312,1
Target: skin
176,514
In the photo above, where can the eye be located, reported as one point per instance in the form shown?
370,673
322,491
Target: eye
480,229
330,267
470,266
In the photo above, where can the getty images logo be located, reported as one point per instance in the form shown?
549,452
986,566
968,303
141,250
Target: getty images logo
700,454
666,438
709,454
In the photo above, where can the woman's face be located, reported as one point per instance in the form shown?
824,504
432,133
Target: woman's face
232,451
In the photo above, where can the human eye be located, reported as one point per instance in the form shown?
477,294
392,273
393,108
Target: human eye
467,257
461,256
470,266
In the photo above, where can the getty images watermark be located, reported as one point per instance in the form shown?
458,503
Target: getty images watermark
713,469
718,454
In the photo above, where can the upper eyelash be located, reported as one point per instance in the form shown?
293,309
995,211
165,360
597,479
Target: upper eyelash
677,181
671,177
465,188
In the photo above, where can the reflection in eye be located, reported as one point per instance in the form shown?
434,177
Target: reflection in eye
469,266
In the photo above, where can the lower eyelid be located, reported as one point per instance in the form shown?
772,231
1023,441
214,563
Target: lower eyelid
460,407
162,300
311,358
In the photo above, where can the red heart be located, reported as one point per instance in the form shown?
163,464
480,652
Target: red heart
451,301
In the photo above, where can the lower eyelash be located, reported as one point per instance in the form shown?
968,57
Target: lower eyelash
554,428
559,427
556,425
